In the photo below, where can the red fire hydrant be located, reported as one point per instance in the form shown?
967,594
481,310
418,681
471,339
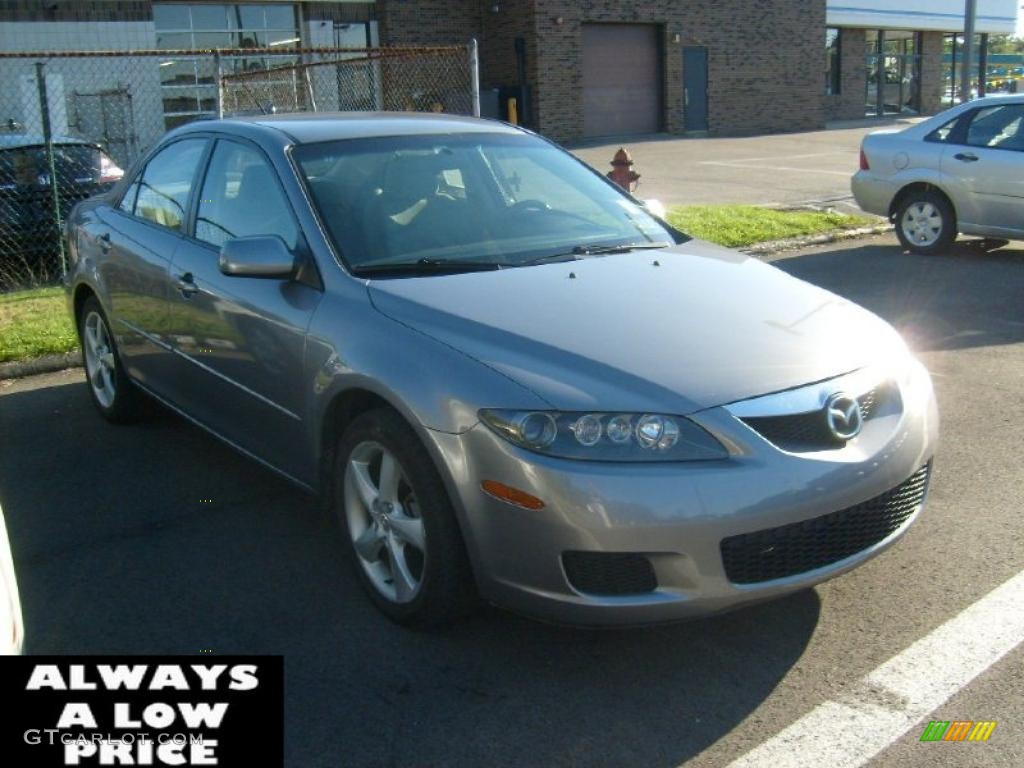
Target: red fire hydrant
622,172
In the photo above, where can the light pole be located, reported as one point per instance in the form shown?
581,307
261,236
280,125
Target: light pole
970,19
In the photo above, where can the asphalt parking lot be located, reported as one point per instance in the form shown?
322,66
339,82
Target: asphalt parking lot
117,553
812,167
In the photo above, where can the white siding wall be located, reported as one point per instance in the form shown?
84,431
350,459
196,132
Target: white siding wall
994,16
139,77
76,35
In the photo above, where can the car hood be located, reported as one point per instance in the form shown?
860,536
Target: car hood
673,331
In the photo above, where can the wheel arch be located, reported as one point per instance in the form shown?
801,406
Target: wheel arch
920,186
342,409
82,293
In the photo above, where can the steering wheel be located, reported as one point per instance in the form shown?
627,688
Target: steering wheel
526,206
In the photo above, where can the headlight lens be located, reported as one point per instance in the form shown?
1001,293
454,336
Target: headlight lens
606,436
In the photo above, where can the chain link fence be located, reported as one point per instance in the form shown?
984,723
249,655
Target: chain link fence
436,79
71,123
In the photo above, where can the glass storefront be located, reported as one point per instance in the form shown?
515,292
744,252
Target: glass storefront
996,67
833,61
893,62
188,85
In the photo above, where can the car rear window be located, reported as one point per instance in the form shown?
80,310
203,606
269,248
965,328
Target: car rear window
944,132
29,166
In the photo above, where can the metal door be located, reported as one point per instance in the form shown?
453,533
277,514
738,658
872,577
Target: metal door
695,88
621,79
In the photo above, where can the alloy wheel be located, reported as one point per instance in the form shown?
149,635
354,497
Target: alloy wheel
384,522
99,359
922,224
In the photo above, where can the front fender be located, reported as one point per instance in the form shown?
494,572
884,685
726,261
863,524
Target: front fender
351,345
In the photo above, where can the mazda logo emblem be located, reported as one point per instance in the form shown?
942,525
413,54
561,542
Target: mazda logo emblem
844,416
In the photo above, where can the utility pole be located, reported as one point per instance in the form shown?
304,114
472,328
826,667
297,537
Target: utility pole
970,21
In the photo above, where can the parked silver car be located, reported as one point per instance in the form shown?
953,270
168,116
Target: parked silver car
959,172
510,378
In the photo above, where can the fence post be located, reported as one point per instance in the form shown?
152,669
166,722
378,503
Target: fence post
474,74
44,113
219,74
309,86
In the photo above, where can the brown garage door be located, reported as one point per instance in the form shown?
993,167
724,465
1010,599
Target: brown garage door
621,79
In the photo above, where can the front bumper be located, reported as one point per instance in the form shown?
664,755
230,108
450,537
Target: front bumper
676,515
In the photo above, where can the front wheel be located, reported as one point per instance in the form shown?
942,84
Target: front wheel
395,512
112,391
925,223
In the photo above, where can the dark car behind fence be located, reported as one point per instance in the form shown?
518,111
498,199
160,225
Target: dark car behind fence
72,122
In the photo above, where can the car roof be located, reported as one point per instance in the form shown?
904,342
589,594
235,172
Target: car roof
998,98
15,140
310,127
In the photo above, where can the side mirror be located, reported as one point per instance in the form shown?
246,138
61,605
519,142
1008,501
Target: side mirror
258,256
655,208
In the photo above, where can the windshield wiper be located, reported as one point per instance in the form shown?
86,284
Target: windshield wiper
428,266
580,251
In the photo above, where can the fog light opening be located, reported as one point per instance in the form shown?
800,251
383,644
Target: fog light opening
511,495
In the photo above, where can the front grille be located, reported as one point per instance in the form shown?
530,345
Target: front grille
609,573
788,550
809,431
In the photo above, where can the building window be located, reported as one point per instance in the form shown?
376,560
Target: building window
188,86
833,61
893,63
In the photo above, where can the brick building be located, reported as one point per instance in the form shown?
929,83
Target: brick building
580,69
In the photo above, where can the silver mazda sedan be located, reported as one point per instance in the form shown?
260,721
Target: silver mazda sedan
509,378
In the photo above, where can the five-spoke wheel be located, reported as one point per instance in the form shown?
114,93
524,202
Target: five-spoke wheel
112,391
399,522
99,358
384,522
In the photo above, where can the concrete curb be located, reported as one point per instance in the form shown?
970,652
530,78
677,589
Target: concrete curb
796,243
16,369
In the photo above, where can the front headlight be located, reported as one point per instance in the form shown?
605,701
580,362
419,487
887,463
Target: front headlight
606,436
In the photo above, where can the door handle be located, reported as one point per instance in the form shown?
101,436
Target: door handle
686,97
104,241
187,285
966,157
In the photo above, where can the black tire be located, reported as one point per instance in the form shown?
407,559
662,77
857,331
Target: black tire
918,236
446,589
122,403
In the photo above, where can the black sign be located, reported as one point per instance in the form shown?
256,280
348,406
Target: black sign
142,710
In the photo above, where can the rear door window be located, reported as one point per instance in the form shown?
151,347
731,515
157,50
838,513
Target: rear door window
167,181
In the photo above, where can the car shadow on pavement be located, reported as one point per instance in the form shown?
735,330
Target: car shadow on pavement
970,297
155,538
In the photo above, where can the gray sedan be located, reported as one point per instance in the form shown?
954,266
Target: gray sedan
961,171
508,377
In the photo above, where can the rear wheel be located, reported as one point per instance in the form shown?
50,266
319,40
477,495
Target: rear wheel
925,222
112,391
395,512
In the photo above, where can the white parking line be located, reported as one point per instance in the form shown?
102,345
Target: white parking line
788,169
894,698
787,157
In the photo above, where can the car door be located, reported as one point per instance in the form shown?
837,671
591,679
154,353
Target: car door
987,160
136,240
240,340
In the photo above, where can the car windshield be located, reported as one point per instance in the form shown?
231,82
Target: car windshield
467,199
